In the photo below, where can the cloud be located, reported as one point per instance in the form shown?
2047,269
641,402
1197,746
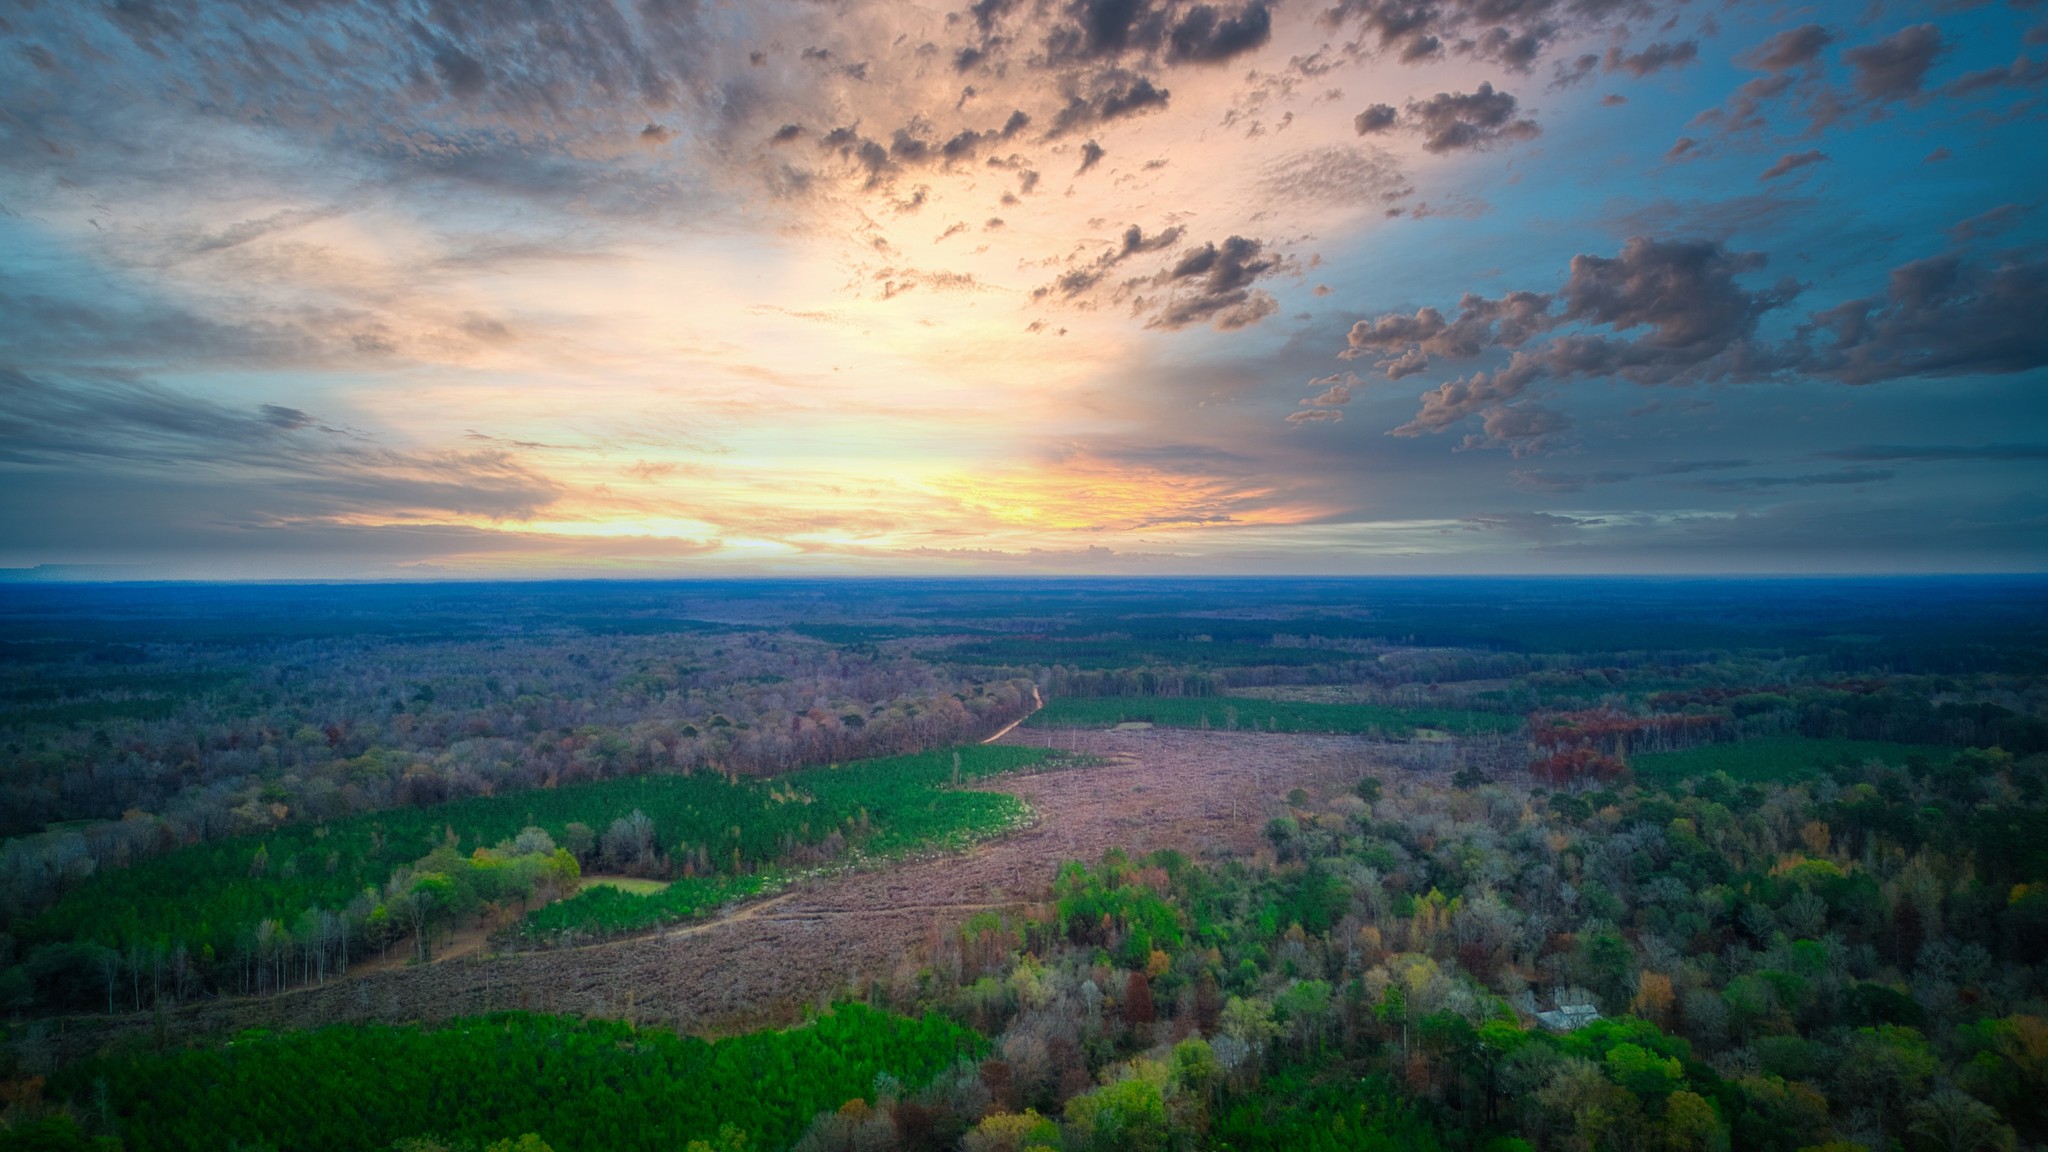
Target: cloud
1811,480
1110,95
1791,61
1894,68
1451,402
1133,242
1481,324
1987,224
1699,323
1457,121
1792,163
1206,35
2021,73
1336,391
1213,284
1792,48
1091,155
1934,453
1512,35
1378,118
1654,58
1545,480
1538,527
118,430
1334,177
1315,416
1941,317
1525,429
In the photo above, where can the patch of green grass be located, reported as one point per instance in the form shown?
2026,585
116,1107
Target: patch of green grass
632,885
1241,713
1780,759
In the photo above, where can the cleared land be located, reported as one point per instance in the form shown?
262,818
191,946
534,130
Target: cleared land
1240,713
1195,791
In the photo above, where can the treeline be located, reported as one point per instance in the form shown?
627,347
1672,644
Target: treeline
1856,961
257,913
318,732
1906,710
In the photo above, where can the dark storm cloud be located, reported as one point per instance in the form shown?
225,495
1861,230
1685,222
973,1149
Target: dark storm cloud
1895,67
1456,121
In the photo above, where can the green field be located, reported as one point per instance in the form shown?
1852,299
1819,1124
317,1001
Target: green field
1240,713
1779,759
631,885
581,1085
211,895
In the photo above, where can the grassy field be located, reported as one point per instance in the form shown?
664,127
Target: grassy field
581,1085
1242,713
1777,758
632,885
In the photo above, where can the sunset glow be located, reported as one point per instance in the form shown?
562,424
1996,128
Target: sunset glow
696,289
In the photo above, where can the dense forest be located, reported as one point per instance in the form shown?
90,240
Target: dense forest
1621,865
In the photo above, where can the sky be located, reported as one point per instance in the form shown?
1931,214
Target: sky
423,289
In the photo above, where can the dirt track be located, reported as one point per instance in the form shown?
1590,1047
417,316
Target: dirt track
1195,791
